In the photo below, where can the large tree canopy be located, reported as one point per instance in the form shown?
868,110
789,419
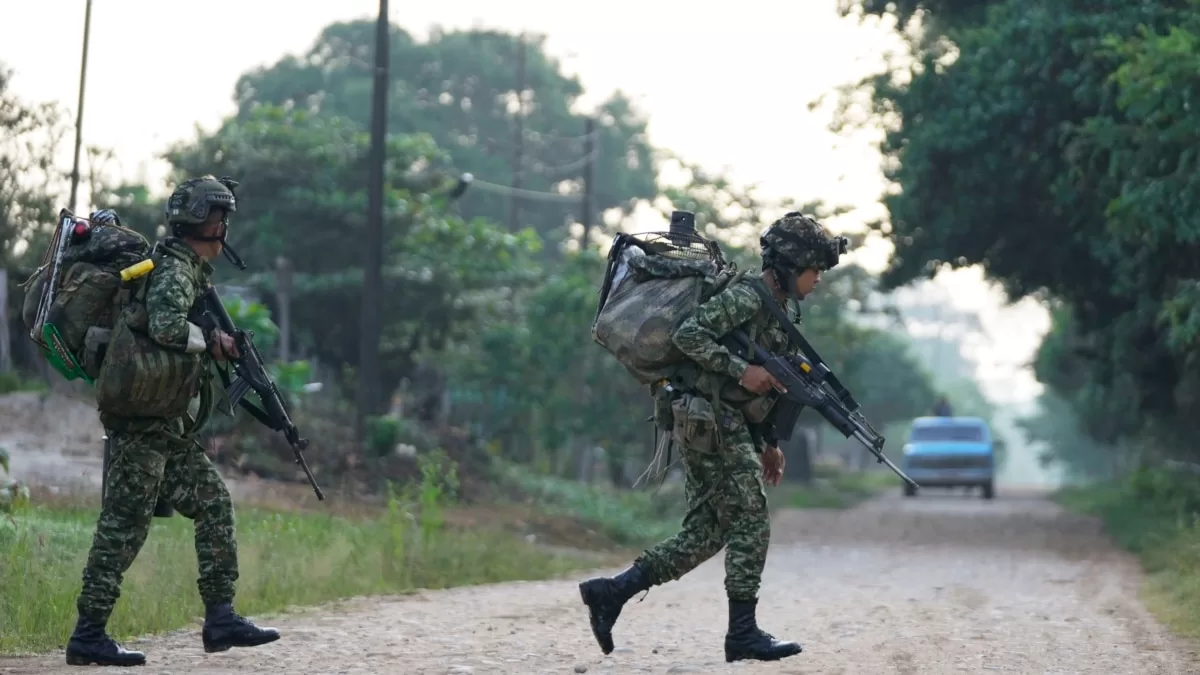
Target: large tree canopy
1053,144
304,198
462,89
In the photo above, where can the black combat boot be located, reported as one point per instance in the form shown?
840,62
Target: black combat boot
90,644
223,628
605,596
745,640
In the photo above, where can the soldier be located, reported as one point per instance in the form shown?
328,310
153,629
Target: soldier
154,453
726,467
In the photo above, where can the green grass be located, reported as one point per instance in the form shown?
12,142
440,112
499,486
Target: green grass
1154,514
628,517
12,382
834,489
643,517
285,559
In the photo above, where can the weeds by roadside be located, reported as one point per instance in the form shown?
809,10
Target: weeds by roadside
12,382
628,517
286,559
832,488
641,517
1156,515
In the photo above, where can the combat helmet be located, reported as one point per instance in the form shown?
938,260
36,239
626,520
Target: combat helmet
193,200
796,242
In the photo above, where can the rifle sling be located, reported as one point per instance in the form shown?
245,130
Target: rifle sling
795,336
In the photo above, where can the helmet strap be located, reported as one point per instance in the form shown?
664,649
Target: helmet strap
227,250
785,280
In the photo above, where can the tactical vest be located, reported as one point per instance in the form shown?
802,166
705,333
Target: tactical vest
141,378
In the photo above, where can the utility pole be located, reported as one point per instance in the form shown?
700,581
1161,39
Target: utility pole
5,341
87,29
283,299
589,188
372,296
514,216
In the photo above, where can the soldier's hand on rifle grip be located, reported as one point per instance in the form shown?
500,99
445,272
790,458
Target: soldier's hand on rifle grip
759,381
223,346
773,463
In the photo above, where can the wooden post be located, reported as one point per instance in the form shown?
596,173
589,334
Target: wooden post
87,30
518,169
372,292
283,298
589,187
5,333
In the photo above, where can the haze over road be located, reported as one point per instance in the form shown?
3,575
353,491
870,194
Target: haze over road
939,584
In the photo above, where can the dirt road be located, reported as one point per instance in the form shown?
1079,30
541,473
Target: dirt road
940,584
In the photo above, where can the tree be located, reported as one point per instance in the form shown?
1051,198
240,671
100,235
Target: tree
29,179
302,197
461,88
1051,144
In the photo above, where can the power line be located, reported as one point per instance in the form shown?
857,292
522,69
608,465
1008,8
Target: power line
569,167
524,194
552,138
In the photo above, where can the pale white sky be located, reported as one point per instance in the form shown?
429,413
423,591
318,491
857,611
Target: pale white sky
723,88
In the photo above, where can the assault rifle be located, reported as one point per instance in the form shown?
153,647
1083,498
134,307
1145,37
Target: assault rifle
251,374
810,383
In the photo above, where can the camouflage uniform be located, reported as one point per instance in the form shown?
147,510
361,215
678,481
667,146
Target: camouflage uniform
727,503
154,455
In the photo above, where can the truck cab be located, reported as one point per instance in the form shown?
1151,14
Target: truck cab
950,452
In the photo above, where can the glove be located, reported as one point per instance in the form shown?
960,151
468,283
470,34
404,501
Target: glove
105,217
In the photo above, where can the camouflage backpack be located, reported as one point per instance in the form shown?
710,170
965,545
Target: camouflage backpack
88,272
653,282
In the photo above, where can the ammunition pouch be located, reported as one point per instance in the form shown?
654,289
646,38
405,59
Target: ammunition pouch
95,346
140,378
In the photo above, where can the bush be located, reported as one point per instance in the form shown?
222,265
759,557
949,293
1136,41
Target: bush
12,382
14,495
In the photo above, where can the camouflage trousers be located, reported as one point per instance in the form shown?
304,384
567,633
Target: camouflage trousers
146,459
727,507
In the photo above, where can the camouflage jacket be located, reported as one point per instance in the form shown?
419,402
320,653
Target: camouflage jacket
738,305
174,285
148,380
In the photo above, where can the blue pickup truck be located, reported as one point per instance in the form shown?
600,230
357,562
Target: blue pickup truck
950,452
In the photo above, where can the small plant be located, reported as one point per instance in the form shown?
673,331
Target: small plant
438,489
291,378
254,316
426,511
383,433
12,382
14,495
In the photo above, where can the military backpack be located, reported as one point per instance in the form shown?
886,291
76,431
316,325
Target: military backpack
88,273
652,283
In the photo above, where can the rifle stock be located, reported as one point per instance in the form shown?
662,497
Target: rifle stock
251,375
808,385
